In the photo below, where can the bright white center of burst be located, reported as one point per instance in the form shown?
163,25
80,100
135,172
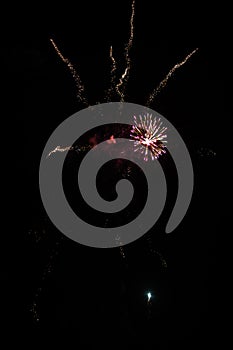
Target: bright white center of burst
149,296
146,142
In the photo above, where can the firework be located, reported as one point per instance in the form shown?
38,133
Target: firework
60,149
37,235
164,82
76,77
111,139
206,152
34,308
119,244
149,136
120,87
77,149
149,305
154,252
113,76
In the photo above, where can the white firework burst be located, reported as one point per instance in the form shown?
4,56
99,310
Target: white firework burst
149,136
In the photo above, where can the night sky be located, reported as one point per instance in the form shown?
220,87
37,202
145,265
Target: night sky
100,296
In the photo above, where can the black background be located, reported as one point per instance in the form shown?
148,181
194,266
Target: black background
95,294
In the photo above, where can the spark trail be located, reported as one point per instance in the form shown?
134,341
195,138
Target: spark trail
113,76
76,77
59,149
164,82
119,244
77,149
120,87
34,308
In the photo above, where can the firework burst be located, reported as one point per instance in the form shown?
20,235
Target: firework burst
149,136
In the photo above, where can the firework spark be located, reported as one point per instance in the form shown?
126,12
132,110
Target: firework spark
206,152
154,252
120,87
149,297
164,82
149,304
149,135
77,149
76,77
60,149
113,76
119,244
34,308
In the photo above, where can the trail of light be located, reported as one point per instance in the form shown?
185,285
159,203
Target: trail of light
164,82
59,149
119,244
78,149
113,76
120,87
155,252
76,77
34,308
